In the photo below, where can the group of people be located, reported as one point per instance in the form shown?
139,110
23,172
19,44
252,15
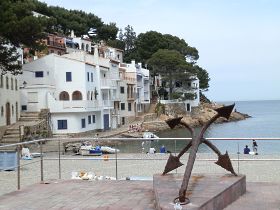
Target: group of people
135,128
255,148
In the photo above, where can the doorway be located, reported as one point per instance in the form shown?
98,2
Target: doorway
8,114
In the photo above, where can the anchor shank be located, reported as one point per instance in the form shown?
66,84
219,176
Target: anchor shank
195,143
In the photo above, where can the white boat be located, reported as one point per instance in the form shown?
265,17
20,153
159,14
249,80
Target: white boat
111,150
149,135
90,150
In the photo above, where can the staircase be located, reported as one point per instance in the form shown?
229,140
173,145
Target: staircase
12,134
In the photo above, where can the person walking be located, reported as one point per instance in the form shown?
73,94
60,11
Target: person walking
255,147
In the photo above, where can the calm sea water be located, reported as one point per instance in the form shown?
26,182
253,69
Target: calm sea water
265,122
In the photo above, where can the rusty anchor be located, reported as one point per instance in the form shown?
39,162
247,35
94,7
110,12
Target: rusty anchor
173,162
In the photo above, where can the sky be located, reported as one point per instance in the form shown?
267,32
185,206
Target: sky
238,40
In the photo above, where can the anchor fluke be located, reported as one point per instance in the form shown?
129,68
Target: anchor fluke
225,111
173,162
224,162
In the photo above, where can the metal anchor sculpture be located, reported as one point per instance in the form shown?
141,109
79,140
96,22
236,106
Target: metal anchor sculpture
173,162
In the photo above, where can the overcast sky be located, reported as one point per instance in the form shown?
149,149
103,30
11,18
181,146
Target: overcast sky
238,40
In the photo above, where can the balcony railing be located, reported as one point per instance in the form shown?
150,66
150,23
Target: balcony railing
107,103
108,83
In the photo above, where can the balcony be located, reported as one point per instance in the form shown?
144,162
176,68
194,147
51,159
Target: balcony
108,104
108,84
74,106
131,96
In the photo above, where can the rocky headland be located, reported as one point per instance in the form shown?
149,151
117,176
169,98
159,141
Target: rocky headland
198,117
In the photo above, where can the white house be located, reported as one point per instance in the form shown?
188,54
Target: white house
190,93
74,87
9,96
9,99
142,89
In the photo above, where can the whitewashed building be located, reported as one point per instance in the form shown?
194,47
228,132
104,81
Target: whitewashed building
9,96
75,87
190,93
142,88
9,99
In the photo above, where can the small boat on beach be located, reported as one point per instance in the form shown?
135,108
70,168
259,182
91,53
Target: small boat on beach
109,150
149,135
97,150
90,150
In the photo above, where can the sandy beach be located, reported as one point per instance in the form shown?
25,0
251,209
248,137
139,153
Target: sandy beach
261,168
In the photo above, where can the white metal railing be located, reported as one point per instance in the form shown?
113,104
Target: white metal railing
108,83
107,103
115,157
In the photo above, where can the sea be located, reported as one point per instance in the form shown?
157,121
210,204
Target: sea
264,122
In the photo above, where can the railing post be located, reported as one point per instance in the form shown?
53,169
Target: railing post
18,167
175,147
42,162
59,160
238,153
116,158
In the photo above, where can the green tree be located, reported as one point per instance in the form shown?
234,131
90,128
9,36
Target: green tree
19,27
107,32
203,77
171,65
150,42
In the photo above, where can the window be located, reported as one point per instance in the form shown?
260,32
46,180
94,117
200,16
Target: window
1,81
62,124
83,123
83,46
123,120
93,118
39,74
12,84
68,76
87,47
129,107
7,83
2,111
64,96
16,84
77,95
88,76
89,119
122,106
23,108
122,89
13,111
91,77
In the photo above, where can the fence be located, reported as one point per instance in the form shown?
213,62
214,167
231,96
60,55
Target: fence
54,162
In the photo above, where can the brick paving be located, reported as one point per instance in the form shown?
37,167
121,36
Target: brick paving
80,194
119,195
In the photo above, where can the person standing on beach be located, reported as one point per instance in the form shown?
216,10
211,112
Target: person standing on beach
255,147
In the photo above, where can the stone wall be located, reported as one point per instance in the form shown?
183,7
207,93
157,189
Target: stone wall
150,117
2,131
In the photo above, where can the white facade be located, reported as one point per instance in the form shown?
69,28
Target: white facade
73,87
9,99
9,96
142,89
189,87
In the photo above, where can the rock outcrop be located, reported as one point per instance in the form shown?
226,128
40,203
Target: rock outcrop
196,118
